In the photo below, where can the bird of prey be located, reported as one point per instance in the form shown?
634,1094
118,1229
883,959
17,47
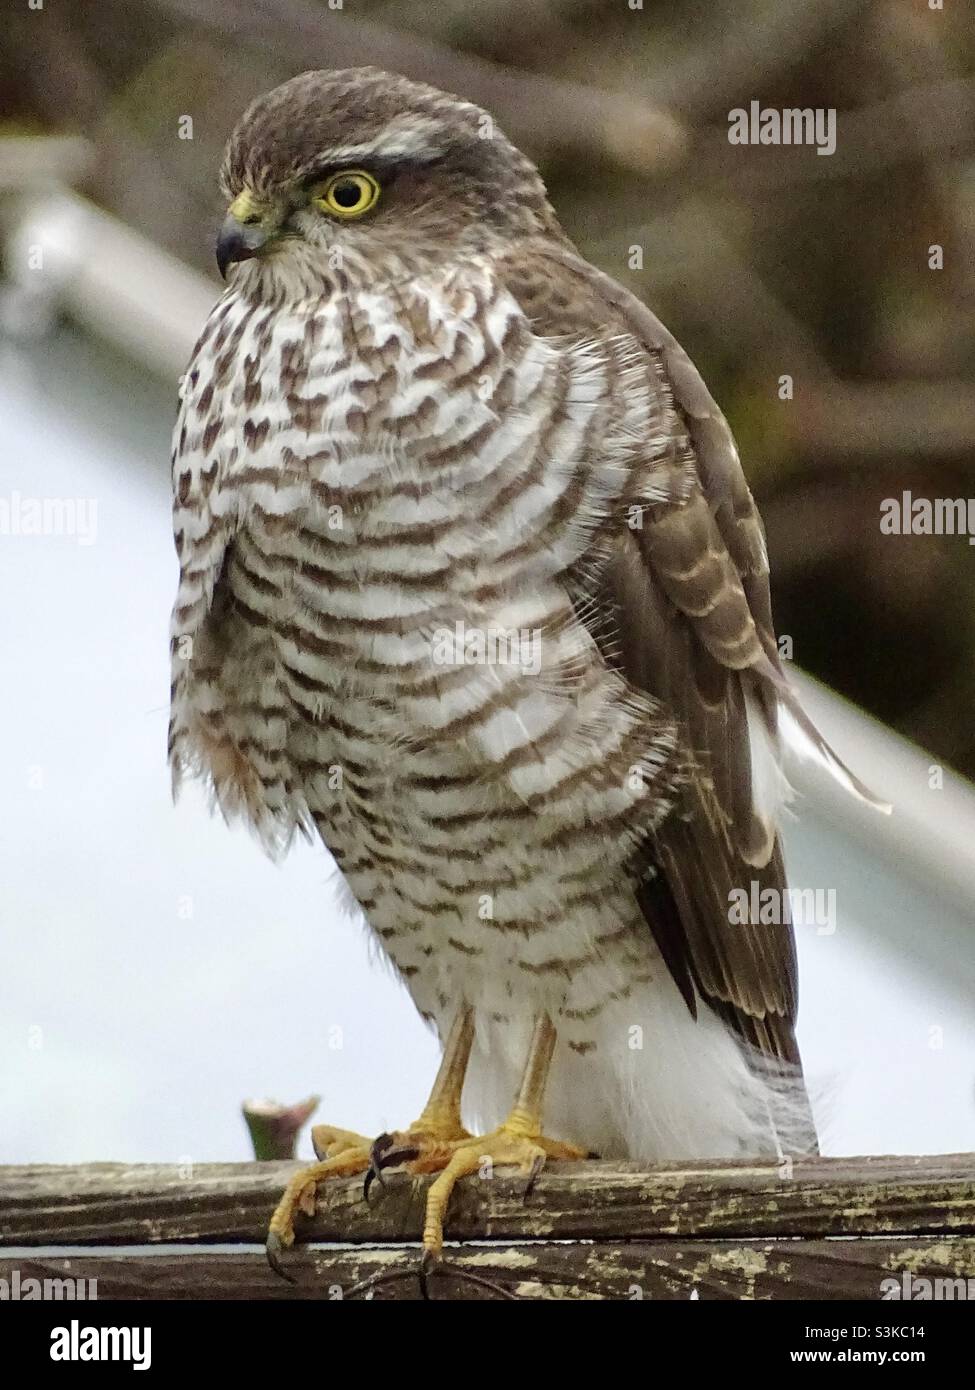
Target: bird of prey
474,590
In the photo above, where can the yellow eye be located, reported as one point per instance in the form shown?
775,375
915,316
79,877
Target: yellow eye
348,194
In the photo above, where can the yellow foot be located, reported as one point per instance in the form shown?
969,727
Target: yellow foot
512,1144
341,1154
425,1147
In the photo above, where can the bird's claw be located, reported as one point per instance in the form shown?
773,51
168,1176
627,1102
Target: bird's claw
387,1151
430,1261
274,1248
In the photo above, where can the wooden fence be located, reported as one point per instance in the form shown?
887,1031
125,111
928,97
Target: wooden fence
806,1228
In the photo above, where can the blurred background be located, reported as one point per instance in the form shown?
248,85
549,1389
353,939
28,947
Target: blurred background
155,969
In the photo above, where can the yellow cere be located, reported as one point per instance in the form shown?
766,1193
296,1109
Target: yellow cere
348,194
246,208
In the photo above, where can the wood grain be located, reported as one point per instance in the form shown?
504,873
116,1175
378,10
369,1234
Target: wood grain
763,1270
810,1228
119,1204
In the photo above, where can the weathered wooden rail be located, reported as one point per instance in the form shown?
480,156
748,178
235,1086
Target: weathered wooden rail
812,1228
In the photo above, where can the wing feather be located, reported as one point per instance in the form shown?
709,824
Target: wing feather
684,598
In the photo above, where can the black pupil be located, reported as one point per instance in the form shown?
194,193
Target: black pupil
348,194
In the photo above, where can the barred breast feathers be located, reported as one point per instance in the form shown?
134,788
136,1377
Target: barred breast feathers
355,475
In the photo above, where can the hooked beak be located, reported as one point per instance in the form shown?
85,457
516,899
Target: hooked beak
238,242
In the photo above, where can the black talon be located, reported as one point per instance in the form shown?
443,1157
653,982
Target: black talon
373,1173
375,1170
404,1155
380,1146
273,1249
385,1154
427,1266
536,1168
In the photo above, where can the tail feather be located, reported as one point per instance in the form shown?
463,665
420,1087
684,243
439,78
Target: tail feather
801,736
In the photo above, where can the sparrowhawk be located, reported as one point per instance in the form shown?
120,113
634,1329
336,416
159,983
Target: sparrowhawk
473,589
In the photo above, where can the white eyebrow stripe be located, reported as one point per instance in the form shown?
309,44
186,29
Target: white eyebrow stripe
380,149
401,139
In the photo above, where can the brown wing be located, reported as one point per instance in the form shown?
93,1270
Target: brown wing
684,611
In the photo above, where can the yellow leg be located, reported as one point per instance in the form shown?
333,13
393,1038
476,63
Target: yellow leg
440,1119
435,1143
518,1141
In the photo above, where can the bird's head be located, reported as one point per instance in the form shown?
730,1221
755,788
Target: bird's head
367,175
